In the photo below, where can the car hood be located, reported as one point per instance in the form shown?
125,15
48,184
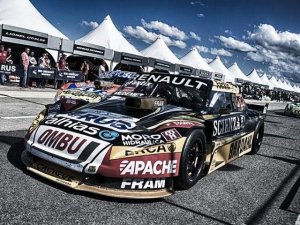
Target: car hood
74,139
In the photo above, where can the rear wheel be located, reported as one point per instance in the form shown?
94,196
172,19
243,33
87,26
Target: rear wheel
192,160
258,137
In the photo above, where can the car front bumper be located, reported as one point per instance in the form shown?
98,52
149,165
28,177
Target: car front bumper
81,182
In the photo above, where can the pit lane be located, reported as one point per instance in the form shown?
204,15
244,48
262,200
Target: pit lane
259,189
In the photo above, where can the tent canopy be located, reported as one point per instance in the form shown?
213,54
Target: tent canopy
219,67
107,35
265,80
159,50
21,13
254,77
237,72
195,60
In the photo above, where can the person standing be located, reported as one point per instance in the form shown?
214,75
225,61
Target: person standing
32,63
32,60
62,63
9,58
85,70
3,56
25,64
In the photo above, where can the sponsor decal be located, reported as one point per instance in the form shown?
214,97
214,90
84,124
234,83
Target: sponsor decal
239,146
61,141
185,69
54,108
87,49
131,59
24,36
143,183
72,124
53,172
69,75
162,64
222,85
171,134
142,139
171,79
228,125
171,147
179,124
108,135
158,103
148,168
82,93
102,120
8,68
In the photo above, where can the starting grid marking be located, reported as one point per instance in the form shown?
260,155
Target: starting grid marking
16,117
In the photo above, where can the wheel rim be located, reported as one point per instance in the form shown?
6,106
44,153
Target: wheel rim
194,160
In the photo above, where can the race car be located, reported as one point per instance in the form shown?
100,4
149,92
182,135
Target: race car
292,109
94,91
158,133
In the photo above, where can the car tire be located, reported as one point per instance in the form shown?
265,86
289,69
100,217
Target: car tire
192,160
257,138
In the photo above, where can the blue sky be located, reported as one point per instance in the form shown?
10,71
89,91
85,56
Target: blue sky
261,34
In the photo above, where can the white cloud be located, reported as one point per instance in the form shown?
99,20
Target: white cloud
165,29
279,50
200,15
220,51
91,24
267,36
197,3
211,40
149,37
234,44
195,36
228,32
201,48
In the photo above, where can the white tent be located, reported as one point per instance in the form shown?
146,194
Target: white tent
159,50
219,67
108,36
274,82
265,80
21,13
236,71
281,84
195,60
254,77
288,85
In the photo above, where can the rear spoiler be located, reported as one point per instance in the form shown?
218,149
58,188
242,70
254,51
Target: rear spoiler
262,109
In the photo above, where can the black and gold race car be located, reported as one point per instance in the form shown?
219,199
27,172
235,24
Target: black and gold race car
157,133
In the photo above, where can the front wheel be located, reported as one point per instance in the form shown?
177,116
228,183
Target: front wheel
192,160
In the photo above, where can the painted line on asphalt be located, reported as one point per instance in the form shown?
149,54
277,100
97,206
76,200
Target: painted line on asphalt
16,117
298,220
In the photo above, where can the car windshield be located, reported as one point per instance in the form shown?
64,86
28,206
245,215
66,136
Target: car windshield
183,91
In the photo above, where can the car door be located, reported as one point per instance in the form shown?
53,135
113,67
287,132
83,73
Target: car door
225,123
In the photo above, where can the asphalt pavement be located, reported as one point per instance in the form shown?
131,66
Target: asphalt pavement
254,189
